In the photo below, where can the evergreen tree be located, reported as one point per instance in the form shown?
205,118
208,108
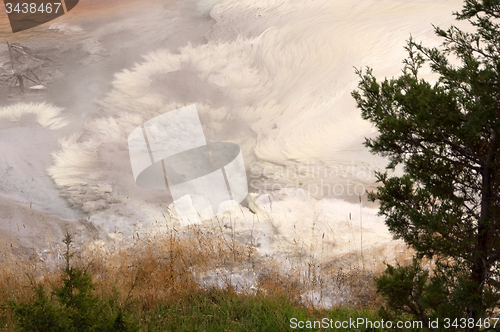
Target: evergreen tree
72,307
446,203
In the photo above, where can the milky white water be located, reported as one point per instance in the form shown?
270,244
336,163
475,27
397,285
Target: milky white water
274,77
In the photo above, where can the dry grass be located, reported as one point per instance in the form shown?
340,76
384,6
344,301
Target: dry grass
165,268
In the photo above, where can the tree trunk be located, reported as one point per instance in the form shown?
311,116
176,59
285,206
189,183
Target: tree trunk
480,267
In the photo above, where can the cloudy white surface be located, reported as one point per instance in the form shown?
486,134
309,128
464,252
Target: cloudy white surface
274,77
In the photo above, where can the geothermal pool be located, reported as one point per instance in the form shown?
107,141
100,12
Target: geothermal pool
273,77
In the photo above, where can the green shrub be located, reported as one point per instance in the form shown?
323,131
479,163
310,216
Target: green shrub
72,306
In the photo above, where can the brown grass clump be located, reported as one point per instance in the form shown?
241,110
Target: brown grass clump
164,268
147,272
161,269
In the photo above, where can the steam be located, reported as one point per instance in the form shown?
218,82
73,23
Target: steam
274,77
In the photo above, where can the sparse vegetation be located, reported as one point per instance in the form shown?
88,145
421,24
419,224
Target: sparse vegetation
157,284
71,305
